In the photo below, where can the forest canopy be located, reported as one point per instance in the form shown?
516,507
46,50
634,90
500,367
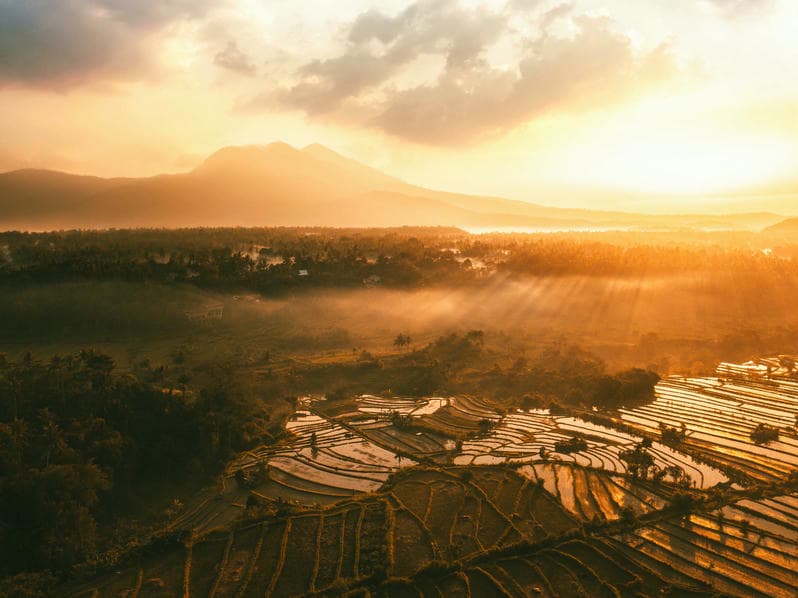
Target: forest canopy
283,259
76,437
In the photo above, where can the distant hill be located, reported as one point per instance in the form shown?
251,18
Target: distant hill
278,185
785,227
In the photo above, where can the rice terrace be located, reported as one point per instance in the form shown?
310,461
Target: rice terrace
444,496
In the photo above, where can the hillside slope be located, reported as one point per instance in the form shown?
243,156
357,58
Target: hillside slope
785,227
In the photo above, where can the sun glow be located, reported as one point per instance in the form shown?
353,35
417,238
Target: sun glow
681,164
697,143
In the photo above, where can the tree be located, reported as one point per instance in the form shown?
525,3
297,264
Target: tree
52,514
763,434
75,437
402,340
745,526
682,502
570,445
638,461
485,425
627,515
788,363
672,436
475,337
626,389
401,420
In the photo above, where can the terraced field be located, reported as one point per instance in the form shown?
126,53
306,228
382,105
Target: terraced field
356,449
330,458
746,548
700,555
485,531
720,413
324,462
596,496
453,497
394,533
405,406
520,437
460,418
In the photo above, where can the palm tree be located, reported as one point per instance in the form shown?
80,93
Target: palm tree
402,340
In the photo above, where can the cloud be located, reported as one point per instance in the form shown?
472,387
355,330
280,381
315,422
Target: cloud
472,96
62,43
148,14
738,8
233,59
550,16
426,27
596,66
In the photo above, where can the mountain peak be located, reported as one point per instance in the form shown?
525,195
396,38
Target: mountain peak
247,157
281,147
317,149
325,154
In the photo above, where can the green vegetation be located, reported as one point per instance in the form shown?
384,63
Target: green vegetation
763,434
80,442
672,436
268,260
638,460
571,445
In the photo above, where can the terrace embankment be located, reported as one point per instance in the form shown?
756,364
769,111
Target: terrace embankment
454,496
492,531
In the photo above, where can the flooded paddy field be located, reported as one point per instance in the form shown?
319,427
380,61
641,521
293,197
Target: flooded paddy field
438,496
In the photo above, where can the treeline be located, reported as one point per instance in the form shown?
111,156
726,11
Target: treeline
264,260
77,438
274,260
559,378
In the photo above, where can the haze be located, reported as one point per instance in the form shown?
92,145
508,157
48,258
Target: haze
614,104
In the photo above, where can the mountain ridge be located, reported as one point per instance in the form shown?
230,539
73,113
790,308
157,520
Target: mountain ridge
787,226
279,185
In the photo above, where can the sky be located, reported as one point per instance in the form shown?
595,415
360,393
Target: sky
615,104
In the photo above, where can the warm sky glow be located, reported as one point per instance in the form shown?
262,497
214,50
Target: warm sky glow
655,106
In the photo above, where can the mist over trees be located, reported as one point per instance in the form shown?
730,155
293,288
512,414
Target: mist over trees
269,260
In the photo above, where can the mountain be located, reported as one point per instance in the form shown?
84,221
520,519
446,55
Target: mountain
278,185
785,227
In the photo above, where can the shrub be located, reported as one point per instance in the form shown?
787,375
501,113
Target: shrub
682,502
571,445
672,436
627,515
337,394
485,425
763,434
638,460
